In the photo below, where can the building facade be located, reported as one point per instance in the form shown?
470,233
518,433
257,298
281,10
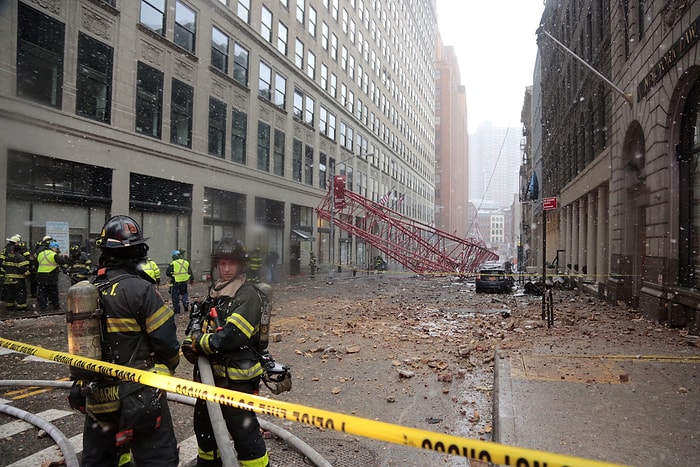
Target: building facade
622,153
212,118
451,145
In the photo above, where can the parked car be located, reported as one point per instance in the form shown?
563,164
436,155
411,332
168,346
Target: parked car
494,276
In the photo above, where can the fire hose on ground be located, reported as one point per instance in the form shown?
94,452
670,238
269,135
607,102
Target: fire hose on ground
69,452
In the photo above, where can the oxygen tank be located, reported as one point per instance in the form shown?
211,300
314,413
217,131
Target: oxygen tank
265,314
84,326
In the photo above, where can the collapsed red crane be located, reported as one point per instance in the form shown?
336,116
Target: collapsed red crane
419,247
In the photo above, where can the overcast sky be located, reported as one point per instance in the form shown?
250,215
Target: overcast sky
496,47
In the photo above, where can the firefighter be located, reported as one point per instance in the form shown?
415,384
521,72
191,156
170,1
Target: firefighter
151,268
180,273
139,332
254,266
79,264
232,346
16,266
50,263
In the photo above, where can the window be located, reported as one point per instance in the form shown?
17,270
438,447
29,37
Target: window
296,160
263,146
309,113
334,10
309,165
282,38
322,119
265,81
240,64
239,136
331,126
153,15
278,162
219,50
185,26
324,35
344,58
298,104
334,47
299,54
312,21
333,90
94,80
243,10
324,76
266,24
311,65
181,114
149,100
40,43
217,127
300,11
280,91
322,171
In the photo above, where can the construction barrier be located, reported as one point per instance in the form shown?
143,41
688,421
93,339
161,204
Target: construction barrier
485,451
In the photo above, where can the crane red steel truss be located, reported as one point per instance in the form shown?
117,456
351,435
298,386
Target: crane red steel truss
419,247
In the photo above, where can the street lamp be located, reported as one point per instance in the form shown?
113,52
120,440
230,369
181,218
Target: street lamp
331,275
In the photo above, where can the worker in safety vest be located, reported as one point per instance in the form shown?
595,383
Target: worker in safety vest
151,268
50,263
180,273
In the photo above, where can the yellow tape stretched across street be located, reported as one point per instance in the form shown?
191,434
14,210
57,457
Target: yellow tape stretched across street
423,439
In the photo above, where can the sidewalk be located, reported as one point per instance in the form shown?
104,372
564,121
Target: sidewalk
612,400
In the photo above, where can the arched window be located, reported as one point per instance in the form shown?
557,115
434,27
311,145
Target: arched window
689,193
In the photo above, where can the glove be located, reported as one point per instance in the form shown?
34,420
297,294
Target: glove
189,350
76,397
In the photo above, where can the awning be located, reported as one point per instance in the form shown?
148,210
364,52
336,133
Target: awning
303,235
533,190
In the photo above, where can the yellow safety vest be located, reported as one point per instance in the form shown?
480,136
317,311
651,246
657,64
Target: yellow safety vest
47,261
180,270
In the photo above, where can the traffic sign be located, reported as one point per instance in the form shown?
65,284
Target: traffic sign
549,203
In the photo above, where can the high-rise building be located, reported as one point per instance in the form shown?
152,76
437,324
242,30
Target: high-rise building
494,159
451,145
212,118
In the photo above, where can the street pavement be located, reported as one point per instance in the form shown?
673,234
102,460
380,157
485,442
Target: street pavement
613,401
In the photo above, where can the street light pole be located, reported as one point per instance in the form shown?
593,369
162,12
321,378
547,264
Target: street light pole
332,265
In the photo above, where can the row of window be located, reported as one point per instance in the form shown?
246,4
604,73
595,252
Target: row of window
41,44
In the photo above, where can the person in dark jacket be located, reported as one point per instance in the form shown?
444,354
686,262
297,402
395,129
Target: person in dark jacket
16,269
140,333
232,351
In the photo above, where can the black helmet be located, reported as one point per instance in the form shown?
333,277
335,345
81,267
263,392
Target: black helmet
120,232
231,249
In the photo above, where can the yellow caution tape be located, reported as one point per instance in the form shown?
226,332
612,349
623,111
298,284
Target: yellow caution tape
485,451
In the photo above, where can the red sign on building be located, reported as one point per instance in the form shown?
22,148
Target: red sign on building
549,203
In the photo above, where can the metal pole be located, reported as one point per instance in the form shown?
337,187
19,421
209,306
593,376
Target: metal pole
331,260
544,262
627,96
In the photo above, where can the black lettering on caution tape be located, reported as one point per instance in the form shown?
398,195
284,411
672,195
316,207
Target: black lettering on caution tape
456,450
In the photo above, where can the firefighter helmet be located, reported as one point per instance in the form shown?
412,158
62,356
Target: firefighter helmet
230,248
120,232
16,238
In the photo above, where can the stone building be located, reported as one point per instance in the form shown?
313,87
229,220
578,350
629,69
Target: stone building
211,118
621,149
